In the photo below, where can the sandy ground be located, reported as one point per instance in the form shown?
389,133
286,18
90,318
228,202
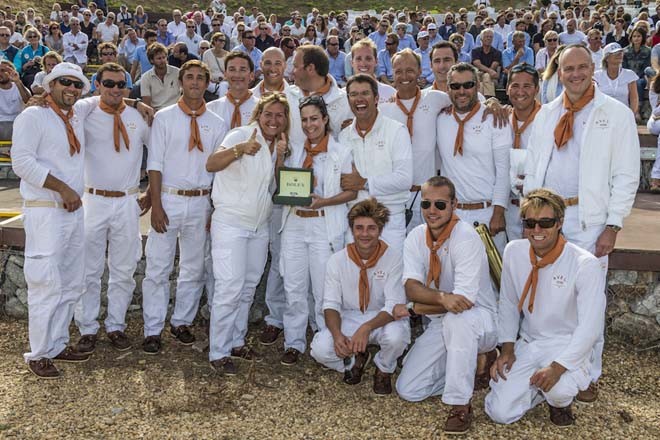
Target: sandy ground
176,395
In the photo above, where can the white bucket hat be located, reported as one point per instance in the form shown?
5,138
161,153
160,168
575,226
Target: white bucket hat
66,69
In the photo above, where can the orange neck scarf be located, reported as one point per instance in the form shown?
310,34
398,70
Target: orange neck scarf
119,127
436,86
264,92
458,143
363,133
74,143
409,113
321,147
518,131
564,129
533,277
434,260
323,90
236,115
195,137
371,262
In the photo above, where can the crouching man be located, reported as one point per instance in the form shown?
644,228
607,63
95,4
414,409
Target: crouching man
559,288
446,277
362,285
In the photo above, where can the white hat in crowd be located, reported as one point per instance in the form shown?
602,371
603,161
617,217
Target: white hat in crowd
66,69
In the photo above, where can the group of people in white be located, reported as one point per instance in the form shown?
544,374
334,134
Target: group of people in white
398,183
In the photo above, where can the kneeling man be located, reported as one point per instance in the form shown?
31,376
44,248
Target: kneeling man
362,286
446,277
551,359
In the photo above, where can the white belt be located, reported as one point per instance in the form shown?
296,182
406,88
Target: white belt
96,191
190,192
42,204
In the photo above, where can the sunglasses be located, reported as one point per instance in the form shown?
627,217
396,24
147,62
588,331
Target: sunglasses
439,204
66,82
544,223
524,67
466,85
333,44
551,40
248,37
110,84
390,43
4,35
30,37
108,54
190,27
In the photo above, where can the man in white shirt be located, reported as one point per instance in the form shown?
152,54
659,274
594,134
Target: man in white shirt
474,154
114,136
418,112
446,277
382,155
362,286
235,108
592,161
190,38
595,40
108,30
176,27
47,154
13,97
560,292
183,136
571,35
364,60
75,45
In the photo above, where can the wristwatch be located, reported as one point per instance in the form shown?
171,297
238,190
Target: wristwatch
136,102
615,228
411,309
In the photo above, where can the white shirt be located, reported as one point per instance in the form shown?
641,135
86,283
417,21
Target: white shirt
176,29
105,168
342,278
385,93
517,158
108,33
482,172
11,103
80,39
574,38
569,306
424,134
40,147
616,88
463,262
168,152
191,43
597,57
224,108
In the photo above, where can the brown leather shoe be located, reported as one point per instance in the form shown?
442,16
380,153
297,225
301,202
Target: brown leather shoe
86,344
269,335
246,353
152,344
44,369
562,417
354,375
119,340
590,395
382,383
225,366
481,380
183,334
69,354
459,419
290,357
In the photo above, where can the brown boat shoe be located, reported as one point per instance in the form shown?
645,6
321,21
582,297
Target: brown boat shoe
562,417
459,419
269,335
69,354
382,383
590,395
44,369
86,344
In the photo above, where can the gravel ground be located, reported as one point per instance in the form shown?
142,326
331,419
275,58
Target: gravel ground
176,395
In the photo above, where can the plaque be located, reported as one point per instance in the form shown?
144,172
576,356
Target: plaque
294,186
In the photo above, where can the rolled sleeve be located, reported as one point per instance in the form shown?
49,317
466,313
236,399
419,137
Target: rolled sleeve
394,292
332,289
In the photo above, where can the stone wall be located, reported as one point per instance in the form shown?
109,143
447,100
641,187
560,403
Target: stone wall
633,310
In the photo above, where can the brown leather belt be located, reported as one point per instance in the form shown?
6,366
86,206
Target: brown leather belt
571,201
473,206
515,202
415,188
186,192
107,193
309,214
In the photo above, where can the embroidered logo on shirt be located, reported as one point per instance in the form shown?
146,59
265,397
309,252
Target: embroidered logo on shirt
477,129
602,123
425,108
205,128
380,145
379,275
559,281
131,126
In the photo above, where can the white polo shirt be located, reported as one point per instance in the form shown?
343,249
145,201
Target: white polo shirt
224,108
11,103
616,88
108,33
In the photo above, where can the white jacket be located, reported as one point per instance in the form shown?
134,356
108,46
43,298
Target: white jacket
609,159
336,222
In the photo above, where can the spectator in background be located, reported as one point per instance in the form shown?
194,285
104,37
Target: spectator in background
572,35
380,36
520,26
637,57
288,46
64,25
124,18
468,39
384,71
215,58
337,60
54,39
141,20
141,62
163,36
50,60
311,36
107,31
264,40
180,55
128,48
518,53
538,40
98,17
488,62
176,27
448,27
75,45
249,48
160,86
201,28
546,53
13,97
551,87
108,54
424,52
406,41
7,51
28,60
88,28
190,37
458,41
498,41
595,46
618,83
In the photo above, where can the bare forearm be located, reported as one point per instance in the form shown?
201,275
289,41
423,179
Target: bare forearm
23,91
54,184
221,159
422,295
332,321
155,187
381,319
342,197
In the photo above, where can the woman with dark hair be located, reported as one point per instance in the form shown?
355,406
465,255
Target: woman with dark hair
54,38
310,36
637,57
311,234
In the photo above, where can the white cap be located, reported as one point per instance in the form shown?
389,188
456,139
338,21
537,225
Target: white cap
612,48
422,34
431,26
66,69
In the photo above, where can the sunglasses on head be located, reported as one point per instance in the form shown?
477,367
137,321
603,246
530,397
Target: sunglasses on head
544,223
466,85
66,82
439,204
524,67
110,84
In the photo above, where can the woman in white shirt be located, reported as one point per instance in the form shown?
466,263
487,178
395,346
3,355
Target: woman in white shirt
614,81
272,20
244,167
310,36
311,234
544,55
215,58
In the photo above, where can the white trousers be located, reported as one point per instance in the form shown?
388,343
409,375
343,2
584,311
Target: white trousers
305,253
508,400
514,227
483,216
417,218
239,257
443,359
111,223
275,300
54,272
586,239
393,338
655,171
188,217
